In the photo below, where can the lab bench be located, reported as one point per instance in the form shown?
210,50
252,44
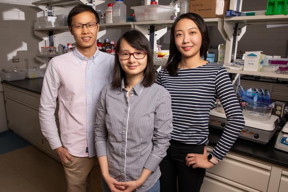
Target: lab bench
249,166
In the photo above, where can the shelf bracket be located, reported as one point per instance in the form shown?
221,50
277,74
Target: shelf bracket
234,32
152,32
101,33
94,3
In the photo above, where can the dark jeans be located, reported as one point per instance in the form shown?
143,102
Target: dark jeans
175,175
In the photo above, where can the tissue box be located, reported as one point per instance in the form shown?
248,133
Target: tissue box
252,60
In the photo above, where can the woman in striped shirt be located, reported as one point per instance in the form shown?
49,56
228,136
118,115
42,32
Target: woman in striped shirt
194,85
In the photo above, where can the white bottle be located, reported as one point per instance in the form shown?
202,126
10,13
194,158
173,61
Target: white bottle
221,54
119,12
108,13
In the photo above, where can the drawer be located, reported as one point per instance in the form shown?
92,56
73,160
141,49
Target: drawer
22,96
243,171
284,182
218,184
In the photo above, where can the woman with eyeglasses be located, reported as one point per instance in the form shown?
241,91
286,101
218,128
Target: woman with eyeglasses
133,120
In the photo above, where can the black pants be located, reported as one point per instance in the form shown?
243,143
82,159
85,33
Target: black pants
176,176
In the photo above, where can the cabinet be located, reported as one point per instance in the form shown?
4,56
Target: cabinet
22,115
284,181
240,173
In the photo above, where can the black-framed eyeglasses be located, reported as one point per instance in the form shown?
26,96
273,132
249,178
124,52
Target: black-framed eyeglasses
124,55
91,25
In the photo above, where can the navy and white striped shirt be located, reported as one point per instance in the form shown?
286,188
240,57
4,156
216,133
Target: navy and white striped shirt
193,94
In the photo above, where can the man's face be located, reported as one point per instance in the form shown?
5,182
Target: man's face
84,28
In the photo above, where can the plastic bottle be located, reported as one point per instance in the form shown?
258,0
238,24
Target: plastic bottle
184,6
119,12
221,53
152,11
108,13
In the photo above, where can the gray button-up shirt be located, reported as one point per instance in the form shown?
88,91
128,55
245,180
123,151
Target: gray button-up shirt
133,132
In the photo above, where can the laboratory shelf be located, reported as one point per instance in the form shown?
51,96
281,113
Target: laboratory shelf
259,19
258,73
60,3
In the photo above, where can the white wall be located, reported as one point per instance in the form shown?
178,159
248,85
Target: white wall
17,36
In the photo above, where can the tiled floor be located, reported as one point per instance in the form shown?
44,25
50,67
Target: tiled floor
23,168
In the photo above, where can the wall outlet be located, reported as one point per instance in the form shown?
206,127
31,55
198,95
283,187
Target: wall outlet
15,60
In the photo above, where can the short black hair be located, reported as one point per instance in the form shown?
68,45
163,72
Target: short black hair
138,41
80,8
175,56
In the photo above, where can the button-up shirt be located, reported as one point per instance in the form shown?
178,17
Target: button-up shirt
76,82
133,131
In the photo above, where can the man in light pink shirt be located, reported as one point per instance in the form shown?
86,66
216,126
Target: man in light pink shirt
74,81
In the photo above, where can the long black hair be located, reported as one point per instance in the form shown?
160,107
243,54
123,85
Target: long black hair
175,56
138,41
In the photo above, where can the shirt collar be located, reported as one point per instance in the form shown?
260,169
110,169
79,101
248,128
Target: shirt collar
80,56
137,89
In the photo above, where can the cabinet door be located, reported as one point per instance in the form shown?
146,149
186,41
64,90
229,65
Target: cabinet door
23,119
243,171
284,182
218,184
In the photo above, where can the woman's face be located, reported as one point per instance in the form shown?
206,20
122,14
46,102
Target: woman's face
188,38
133,67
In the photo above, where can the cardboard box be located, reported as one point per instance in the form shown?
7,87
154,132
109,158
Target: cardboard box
252,60
209,8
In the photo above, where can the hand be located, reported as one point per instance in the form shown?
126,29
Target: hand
198,160
64,155
113,184
129,186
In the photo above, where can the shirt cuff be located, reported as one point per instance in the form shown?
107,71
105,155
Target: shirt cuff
101,148
152,162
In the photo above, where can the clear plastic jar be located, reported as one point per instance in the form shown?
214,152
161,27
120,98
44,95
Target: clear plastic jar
119,12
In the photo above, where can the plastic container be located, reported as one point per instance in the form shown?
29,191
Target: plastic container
257,111
277,7
152,12
34,73
13,76
108,13
119,12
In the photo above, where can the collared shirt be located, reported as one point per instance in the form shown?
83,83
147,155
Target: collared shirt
133,131
76,82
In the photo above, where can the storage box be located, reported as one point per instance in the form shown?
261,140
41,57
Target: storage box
34,73
252,60
152,12
277,7
13,76
209,8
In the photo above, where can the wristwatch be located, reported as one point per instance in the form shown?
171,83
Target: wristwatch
211,159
